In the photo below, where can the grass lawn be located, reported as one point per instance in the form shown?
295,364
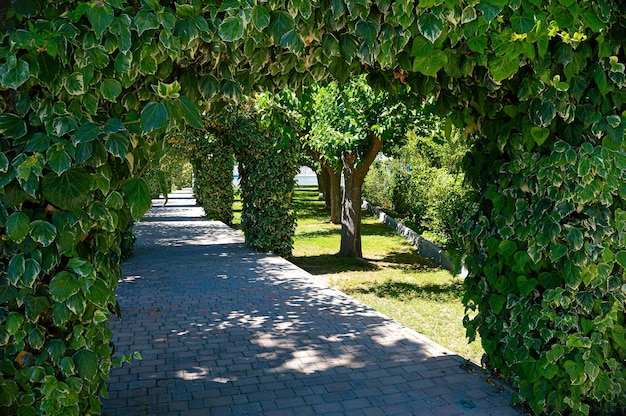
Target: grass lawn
390,278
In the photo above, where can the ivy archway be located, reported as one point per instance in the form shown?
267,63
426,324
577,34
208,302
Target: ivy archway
89,89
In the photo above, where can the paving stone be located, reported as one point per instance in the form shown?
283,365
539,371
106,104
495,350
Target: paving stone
224,330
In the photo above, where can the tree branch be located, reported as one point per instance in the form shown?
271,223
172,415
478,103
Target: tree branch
376,144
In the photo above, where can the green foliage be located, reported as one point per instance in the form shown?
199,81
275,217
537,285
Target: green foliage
265,144
420,184
213,161
539,84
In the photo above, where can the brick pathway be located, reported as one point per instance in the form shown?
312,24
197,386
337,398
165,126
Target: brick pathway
227,331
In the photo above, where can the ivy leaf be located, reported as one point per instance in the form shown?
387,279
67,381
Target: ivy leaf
117,144
231,29
497,303
17,226
430,26
503,67
17,267
621,259
32,268
541,113
43,232
86,133
430,65
292,41
507,248
100,16
69,191
16,76
59,160
12,126
111,89
86,362
209,86
137,196
260,17
63,286
75,84
523,23
540,134
153,117
191,113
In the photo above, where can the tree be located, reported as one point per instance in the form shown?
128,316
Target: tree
349,126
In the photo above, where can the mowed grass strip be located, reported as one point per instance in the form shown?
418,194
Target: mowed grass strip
390,278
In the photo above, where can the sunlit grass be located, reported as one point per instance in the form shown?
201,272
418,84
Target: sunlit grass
390,278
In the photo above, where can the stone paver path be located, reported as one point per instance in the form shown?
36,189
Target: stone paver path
227,331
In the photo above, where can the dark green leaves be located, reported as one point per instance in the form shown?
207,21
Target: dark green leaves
17,226
86,133
69,191
153,117
63,285
231,29
43,232
137,196
430,26
86,362
12,126
111,89
100,16
13,76
260,17
191,113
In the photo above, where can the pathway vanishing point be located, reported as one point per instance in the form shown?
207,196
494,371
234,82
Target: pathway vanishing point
227,331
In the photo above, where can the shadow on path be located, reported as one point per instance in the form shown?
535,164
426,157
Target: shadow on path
227,331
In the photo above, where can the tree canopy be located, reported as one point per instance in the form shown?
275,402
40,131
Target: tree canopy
88,89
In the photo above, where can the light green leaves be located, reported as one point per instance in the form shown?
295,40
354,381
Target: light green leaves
137,196
427,60
503,67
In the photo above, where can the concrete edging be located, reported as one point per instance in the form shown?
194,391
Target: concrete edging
423,246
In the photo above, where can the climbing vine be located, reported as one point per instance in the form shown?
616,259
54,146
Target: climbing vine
213,161
88,90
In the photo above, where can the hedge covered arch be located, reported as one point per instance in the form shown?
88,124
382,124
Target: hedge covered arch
89,89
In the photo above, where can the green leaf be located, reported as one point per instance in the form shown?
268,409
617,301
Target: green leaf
145,20
430,26
36,338
117,144
526,285
86,362
43,232
507,248
32,268
231,29
191,113
621,259
523,23
260,17
63,285
292,41
114,201
540,134
17,267
153,117
503,67
59,160
12,126
430,65
16,76
75,84
69,191
17,226
86,133
111,89
137,195
81,267
497,303
100,16
209,86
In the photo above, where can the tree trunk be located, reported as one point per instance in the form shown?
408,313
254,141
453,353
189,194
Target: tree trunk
323,180
351,212
353,177
334,194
